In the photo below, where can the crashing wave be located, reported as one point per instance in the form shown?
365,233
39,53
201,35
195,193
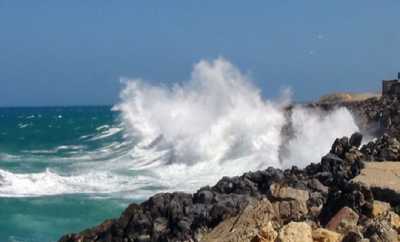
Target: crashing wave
189,135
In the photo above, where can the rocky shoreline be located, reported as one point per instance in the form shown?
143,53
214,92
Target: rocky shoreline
334,200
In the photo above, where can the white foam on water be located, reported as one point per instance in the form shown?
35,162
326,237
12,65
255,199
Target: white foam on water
102,127
107,133
56,149
188,135
51,183
24,125
314,133
8,157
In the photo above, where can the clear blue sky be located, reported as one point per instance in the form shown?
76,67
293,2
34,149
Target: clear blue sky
74,52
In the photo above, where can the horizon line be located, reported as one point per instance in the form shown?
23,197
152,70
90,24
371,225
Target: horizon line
59,106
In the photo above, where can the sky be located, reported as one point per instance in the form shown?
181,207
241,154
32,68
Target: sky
75,52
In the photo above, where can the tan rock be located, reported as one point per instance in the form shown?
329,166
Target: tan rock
343,220
383,231
325,235
379,208
383,178
291,210
296,232
353,155
279,191
266,234
255,223
394,220
291,203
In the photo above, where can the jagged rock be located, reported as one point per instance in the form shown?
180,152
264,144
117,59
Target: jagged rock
356,139
203,196
353,236
340,147
379,208
246,226
384,180
384,227
325,235
282,192
394,220
336,170
239,185
345,219
296,232
267,233
291,210
386,148
316,185
90,235
381,231
291,203
353,195
160,225
354,155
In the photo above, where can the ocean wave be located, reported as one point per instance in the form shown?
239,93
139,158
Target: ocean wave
70,148
50,183
218,124
102,127
186,136
107,133
8,157
24,125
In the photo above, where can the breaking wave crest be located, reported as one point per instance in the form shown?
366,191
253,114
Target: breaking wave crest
189,135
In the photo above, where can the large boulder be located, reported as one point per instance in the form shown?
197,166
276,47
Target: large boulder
343,221
384,180
296,232
346,222
379,208
290,203
325,235
267,233
381,231
255,223
356,139
283,192
340,147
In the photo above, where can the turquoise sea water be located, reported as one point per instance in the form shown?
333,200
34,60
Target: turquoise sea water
39,151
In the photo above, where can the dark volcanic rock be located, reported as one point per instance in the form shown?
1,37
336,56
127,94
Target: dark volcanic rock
356,139
386,148
340,147
355,196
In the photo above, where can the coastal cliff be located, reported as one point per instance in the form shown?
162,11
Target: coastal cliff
336,199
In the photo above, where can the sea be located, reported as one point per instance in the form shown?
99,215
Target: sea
46,187
65,169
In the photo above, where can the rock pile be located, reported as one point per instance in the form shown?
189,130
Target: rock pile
318,203
385,148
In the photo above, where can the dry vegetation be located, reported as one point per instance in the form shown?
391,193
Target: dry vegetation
347,97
